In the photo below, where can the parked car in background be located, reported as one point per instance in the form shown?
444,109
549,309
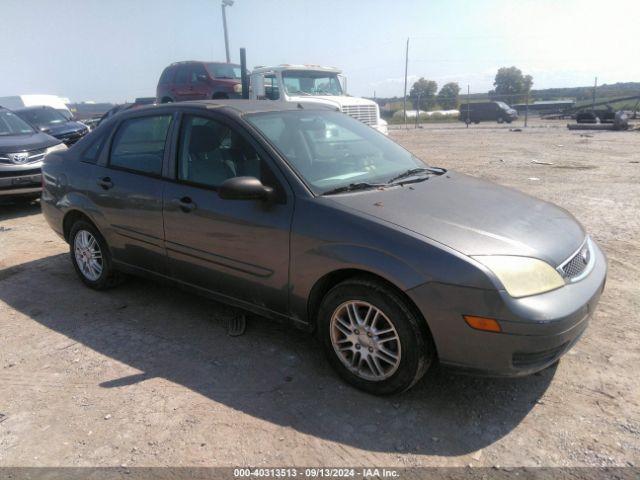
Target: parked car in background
313,84
123,107
15,102
22,149
51,121
300,213
487,112
199,81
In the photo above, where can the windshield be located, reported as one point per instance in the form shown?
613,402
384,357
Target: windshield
503,105
330,150
223,70
11,124
311,83
43,117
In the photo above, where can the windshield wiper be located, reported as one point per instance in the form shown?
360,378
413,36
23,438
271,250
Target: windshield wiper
410,173
353,186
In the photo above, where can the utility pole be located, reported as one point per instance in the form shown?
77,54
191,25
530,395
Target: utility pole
225,4
468,106
406,67
526,109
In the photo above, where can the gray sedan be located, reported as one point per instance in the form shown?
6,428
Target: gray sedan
304,215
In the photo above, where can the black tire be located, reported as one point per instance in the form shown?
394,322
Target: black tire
220,96
500,120
108,277
167,100
416,346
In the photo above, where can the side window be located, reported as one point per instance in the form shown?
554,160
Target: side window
182,75
271,90
211,152
139,144
90,155
197,73
165,78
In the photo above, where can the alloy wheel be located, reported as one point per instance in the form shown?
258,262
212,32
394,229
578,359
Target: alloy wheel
88,255
365,340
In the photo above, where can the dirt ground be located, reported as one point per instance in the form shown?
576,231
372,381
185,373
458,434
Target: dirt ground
145,375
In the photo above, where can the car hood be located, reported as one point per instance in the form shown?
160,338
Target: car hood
64,128
474,217
24,143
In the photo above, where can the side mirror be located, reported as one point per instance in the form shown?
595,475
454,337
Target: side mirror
244,188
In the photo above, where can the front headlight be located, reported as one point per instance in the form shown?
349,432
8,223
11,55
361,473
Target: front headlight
56,148
522,276
237,88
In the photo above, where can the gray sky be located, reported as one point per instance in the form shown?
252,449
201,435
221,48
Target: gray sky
115,50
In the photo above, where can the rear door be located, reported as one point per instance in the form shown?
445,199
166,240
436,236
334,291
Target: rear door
127,188
236,248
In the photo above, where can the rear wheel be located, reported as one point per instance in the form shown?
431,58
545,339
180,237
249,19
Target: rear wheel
90,257
372,337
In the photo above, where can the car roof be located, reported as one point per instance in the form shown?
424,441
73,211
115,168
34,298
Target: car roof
33,107
286,66
190,62
239,107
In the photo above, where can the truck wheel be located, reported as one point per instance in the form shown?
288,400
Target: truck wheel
500,120
372,338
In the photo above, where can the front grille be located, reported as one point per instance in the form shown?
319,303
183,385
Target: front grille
19,173
32,156
577,264
365,113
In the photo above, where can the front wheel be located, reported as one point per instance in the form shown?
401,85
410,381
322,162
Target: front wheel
500,120
90,257
372,337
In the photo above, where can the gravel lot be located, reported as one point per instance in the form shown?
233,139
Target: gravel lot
145,375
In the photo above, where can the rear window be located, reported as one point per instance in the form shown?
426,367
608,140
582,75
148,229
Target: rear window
139,144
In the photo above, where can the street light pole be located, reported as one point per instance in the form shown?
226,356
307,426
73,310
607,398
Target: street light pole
225,4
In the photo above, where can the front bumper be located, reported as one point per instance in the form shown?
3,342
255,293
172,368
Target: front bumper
20,182
536,330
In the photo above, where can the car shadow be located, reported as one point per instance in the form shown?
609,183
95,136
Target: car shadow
273,372
17,208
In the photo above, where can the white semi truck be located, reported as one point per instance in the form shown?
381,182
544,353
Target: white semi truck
314,84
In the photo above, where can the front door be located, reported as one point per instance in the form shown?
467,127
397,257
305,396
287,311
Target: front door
236,248
199,79
127,190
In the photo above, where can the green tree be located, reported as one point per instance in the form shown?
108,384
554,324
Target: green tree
448,96
511,85
426,90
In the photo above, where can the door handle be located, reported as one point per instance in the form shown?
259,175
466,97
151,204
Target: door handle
105,183
185,204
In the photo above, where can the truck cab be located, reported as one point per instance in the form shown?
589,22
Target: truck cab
313,84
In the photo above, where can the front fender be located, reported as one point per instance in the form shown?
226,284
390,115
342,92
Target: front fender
311,266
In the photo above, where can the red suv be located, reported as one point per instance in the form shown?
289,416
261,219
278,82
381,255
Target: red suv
199,81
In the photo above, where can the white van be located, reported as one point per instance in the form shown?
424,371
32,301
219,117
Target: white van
20,101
